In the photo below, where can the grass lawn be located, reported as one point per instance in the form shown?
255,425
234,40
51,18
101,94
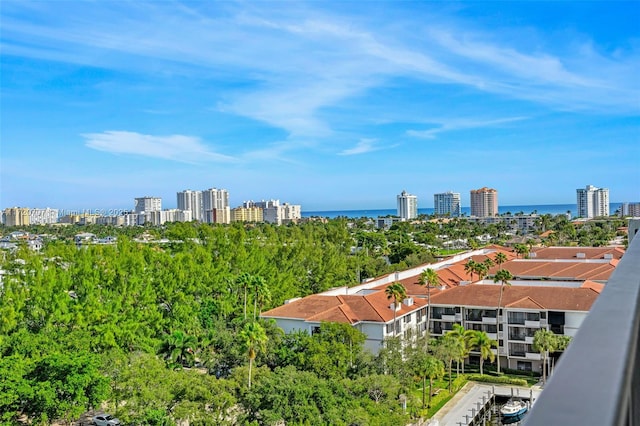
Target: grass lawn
440,392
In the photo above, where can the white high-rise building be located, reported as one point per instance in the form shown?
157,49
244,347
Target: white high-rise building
407,206
447,203
43,216
147,204
191,201
215,206
592,201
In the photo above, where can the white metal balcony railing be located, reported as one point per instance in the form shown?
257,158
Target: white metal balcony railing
528,340
597,380
451,318
528,323
533,355
489,320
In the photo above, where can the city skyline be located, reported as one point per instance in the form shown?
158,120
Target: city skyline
333,105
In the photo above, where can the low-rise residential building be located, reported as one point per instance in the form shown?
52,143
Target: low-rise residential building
552,290
524,309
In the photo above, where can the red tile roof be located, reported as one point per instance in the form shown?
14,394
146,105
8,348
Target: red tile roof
529,297
351,309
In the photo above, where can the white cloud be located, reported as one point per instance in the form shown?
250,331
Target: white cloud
447,125
185,149
362,147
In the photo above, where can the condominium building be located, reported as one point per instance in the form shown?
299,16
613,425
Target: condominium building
630,209
484,202
189,200
447,204
43,216
16,216
215,206
157,218
592,201
276,213
147,204
407,206
247,214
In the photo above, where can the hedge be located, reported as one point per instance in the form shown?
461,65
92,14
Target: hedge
501,380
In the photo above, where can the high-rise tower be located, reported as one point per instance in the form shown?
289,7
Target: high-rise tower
592,201
484,202
447,203
407,206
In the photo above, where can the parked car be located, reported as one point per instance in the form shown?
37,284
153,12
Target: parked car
105,420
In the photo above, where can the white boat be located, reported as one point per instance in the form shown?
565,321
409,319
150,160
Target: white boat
514,408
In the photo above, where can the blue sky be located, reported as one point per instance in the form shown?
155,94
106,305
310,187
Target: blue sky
331,105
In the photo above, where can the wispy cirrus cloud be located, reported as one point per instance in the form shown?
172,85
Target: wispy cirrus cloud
362,147
181,148
447,125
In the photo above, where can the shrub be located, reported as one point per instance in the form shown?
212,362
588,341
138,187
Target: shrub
500,380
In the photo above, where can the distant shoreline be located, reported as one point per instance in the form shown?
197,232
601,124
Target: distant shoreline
553,209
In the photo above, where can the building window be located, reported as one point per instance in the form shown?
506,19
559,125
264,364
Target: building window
524,366
407,318
389,328
315,330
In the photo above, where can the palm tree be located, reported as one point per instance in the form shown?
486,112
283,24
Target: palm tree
521,249
483,344
500,258
502,276
488,263
481,269
262,294
255,339
395,291
464,337
429,278
425,367
470,267
178,349
450,348
545,341
243,282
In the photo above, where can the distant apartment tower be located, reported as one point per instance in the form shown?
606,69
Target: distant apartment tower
592,201
407,206
147,204
43,216
215,206
16,216
630,209
191,201
484,202
276,213
447,204
247,214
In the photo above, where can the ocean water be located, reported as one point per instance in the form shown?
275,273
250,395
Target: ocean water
552,209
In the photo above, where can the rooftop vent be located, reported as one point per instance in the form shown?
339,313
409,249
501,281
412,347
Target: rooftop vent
408,301
581,255
608,256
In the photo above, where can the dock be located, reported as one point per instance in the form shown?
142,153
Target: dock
470,403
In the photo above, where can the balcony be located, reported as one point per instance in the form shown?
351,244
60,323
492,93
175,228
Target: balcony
533,355
597,380
517,337
492,336
451,318
535,324
528,340
489,320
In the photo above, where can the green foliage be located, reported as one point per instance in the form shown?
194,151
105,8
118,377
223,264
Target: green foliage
500,379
